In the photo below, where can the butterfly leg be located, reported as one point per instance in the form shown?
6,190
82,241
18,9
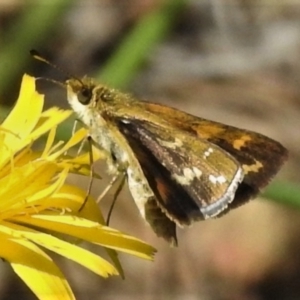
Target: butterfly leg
117,193
109,186
89,188
88,138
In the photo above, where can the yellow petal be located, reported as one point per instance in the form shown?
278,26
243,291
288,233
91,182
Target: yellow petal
24,116
26,122
25,181
81,164
82,256
49,119
74,140
50,141
39,200
26,113
35,268
72,197
22,157
91,232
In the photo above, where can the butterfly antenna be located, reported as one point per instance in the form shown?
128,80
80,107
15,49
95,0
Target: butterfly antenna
36,55
62,84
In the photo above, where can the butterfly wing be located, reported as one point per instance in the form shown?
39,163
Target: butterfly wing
191,178
260,157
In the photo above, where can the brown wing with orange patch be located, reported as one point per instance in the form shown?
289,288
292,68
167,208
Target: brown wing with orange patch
259,156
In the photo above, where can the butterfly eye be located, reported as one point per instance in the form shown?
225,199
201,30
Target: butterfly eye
85,96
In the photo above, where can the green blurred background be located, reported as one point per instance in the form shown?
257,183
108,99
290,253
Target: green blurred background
232,61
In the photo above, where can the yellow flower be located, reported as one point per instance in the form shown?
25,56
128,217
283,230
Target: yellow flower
35,201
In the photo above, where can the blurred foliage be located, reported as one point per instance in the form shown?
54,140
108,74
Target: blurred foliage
33,27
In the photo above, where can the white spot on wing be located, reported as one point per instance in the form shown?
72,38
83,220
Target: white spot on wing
197,172
172,145
219,179
189,174
208,152
181,179
218,206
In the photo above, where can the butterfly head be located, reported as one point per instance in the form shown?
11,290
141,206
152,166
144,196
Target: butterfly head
85,96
